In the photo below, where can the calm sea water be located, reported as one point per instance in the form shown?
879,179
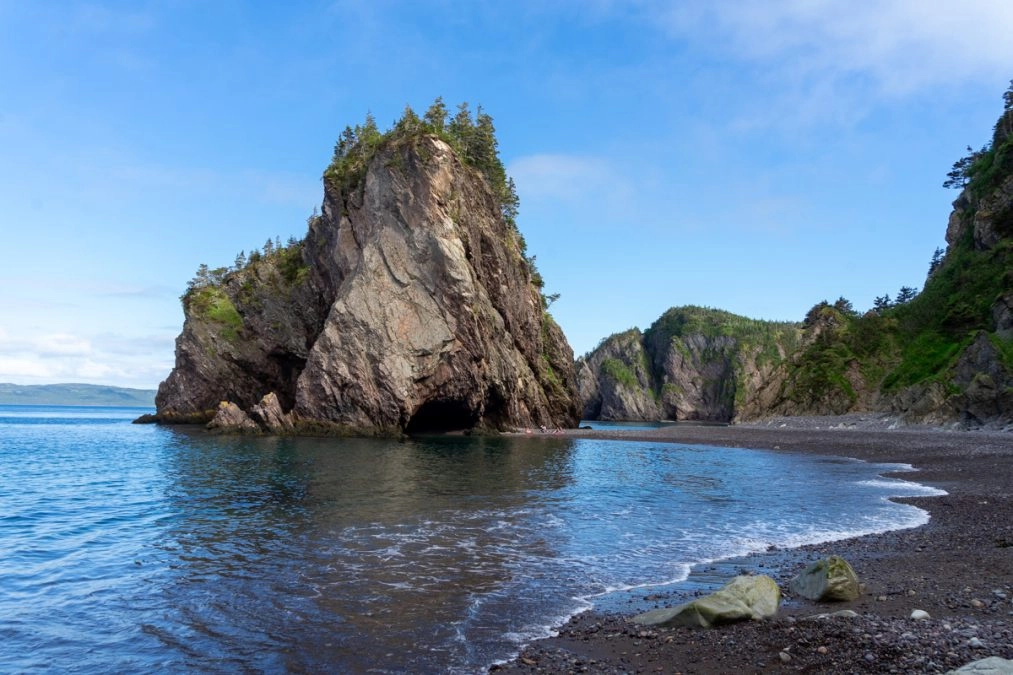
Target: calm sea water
129,548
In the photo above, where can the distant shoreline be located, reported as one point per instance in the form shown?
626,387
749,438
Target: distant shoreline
74,394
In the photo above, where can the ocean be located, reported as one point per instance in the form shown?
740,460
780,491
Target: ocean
135,548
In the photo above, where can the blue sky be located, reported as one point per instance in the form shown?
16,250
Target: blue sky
752,155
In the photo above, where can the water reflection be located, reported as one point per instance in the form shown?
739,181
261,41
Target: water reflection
353,546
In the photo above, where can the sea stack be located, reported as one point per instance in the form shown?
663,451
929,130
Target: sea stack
409,306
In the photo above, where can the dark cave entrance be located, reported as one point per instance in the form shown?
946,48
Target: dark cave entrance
438,416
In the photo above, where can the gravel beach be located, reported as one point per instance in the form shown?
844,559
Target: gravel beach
958,568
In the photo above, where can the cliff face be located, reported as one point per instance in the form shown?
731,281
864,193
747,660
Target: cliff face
691,364
409,306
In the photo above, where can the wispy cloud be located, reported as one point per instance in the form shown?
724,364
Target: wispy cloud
63,357
567,177
900,45
829,63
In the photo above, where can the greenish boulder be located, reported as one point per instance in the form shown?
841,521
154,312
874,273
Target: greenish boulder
742,598
828,580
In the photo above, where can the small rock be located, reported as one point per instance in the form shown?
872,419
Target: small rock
977,604
822,649
975,643
870,657
912,592
920,615
881,598
784,656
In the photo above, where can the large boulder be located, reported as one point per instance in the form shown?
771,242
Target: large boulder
743,598
828,580
993,665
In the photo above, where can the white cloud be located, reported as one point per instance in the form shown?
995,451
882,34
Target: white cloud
61,357
565,177
62,344
900,45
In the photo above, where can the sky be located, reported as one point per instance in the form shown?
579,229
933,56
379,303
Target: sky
756,156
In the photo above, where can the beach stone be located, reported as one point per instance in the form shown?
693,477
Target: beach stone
842,614
744,597
230,417
920,615
827,580
993,665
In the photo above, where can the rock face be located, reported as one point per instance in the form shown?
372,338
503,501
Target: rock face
409,307
828,580
691,364
743,598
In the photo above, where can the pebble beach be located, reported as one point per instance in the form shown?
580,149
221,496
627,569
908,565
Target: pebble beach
957,569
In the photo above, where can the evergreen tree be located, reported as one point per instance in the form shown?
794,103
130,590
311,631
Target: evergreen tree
409,123
960,175
436,116
345,143
937,260
201,279
240,260
462,130
815,312
844,306
906,294
882,304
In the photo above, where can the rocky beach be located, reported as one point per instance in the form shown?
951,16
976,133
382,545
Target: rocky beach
958,569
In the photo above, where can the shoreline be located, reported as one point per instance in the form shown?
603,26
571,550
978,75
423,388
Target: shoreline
958,567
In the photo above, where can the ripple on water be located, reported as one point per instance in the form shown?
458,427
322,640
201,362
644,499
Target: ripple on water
139,548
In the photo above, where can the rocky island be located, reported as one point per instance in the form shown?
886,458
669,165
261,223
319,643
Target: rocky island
410,305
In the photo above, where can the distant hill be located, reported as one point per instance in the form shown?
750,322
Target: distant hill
75,394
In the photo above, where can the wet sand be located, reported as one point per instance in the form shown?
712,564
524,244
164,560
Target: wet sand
958,568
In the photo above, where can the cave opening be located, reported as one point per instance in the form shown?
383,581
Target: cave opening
287,369
442,415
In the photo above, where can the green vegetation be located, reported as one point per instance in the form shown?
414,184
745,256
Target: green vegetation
206,294
619,373
211,303
769,338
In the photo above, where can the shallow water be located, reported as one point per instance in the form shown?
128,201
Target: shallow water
131,548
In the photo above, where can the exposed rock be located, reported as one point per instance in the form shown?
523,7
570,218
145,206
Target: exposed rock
691,364
269,415
991,218
410,306
1002,315
744,597
230,417
985,382
615,381
828,580
920,615
993,665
